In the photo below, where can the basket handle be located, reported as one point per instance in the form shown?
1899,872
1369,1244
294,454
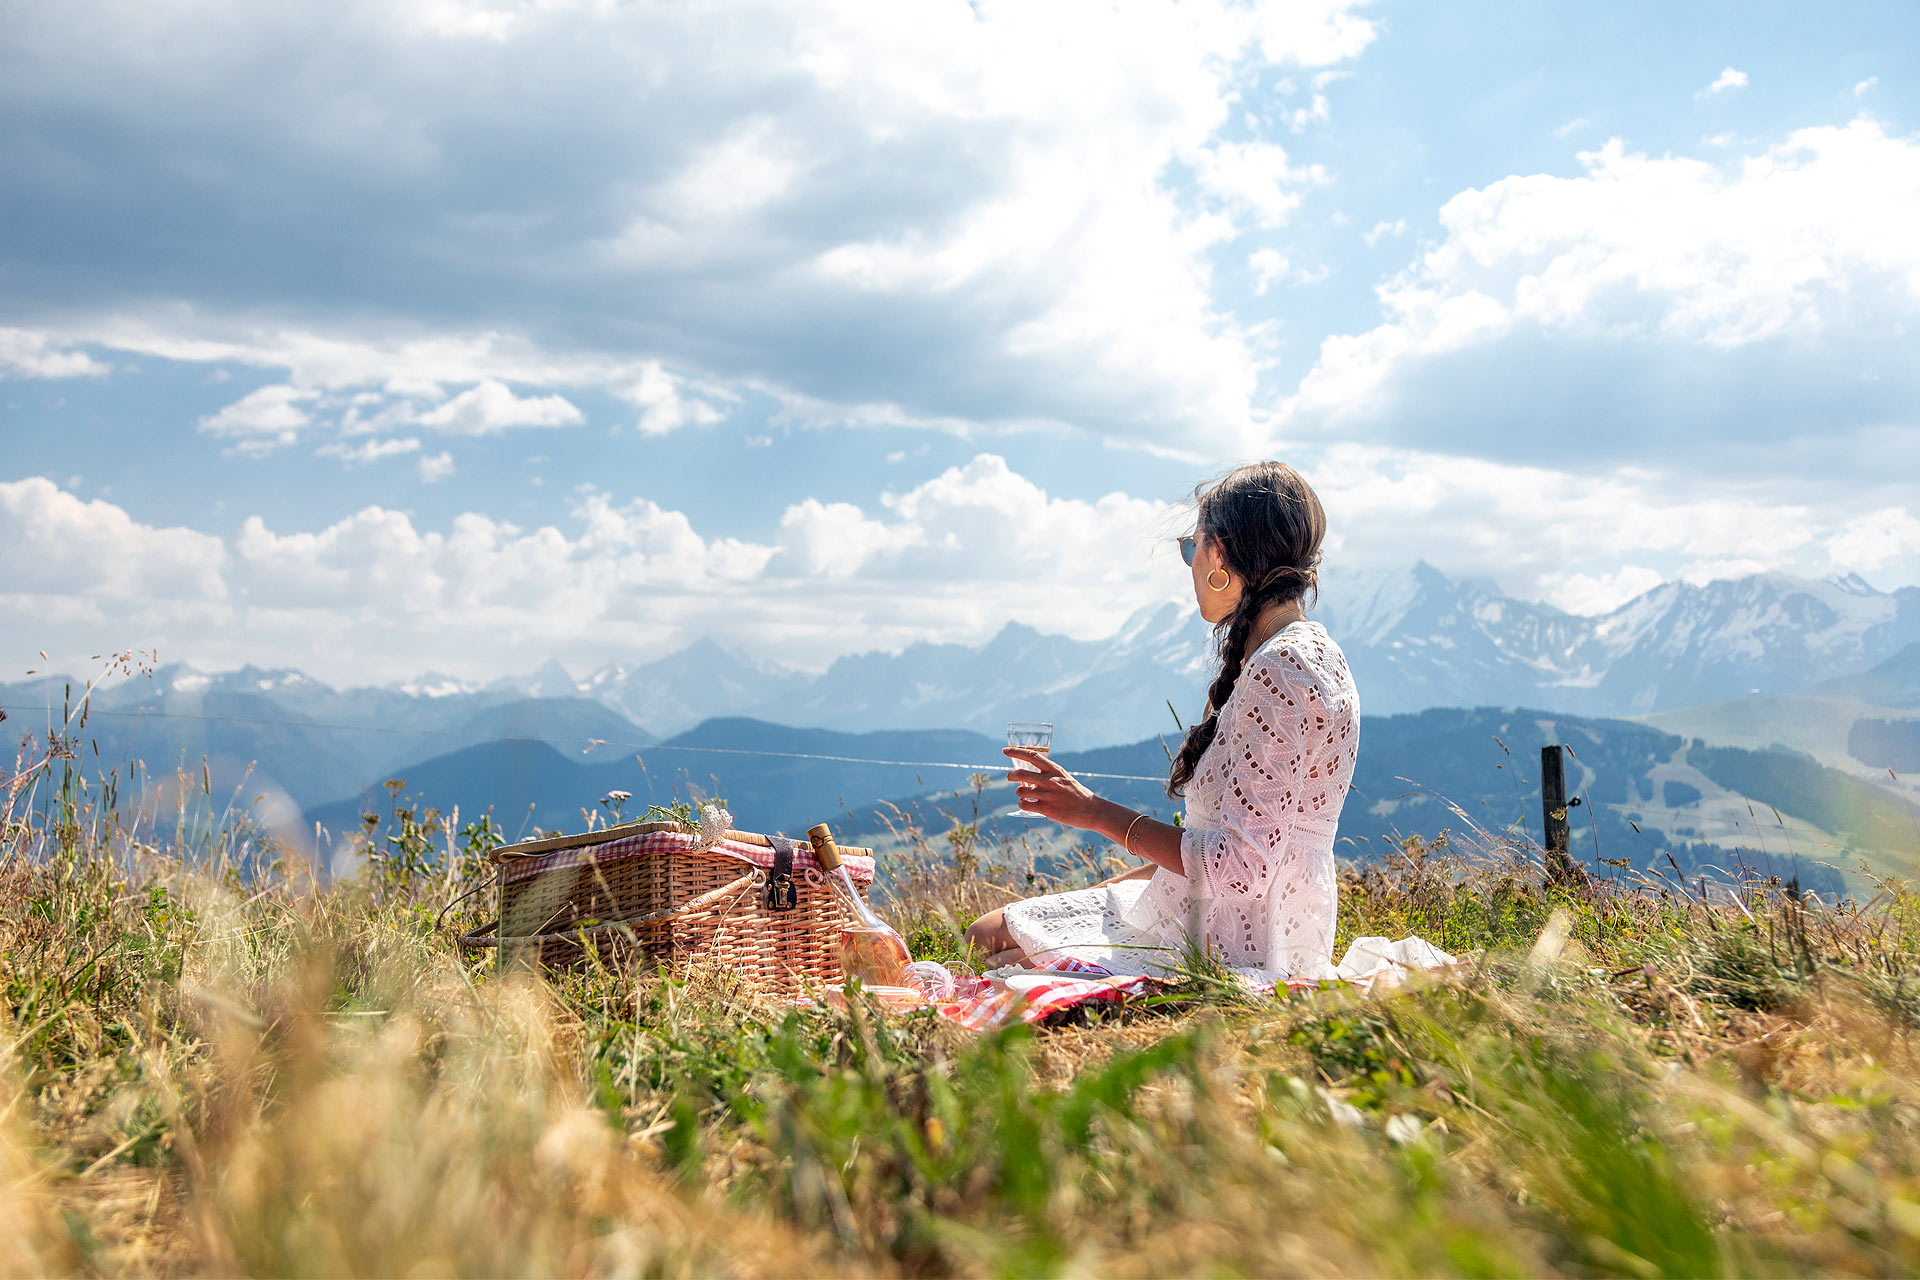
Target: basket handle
477,940
441,918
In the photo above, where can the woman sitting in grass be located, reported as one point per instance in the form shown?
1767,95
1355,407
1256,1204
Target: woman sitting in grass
1250,877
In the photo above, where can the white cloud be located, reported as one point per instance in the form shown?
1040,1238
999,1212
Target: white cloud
749,169
1571,127
1875,540
1269,266
491,407
377,385
381,595
368,450
834,539
1316,112
1860,89
1381,230
378,595
1669,247
435,467
953,557
1256,177
1728,79
1592,594
663,401
733,192
89,554
1573,537
263,419
26,353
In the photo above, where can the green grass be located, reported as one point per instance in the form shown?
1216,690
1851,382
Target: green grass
211,1072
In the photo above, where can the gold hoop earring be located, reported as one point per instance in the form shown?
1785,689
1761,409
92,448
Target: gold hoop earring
1219,586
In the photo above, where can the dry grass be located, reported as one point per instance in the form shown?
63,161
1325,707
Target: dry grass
211,1072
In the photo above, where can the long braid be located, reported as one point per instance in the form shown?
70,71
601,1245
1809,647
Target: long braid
1268,524
1233,655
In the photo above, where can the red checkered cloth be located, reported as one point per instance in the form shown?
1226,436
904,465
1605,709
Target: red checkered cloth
516,869
987,1004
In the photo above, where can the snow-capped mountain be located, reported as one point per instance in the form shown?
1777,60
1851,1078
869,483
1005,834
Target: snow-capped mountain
697,683
1679,644
1419,639
1416,639
1430,641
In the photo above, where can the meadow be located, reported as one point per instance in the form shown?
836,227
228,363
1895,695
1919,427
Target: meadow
216,1062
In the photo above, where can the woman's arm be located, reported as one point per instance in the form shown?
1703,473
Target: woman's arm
1054,793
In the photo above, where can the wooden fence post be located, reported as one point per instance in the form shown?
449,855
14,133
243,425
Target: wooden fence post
1561,868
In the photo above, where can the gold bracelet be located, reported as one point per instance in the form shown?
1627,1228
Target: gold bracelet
1126,841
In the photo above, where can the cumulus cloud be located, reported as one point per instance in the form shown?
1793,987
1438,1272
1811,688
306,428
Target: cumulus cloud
1876,540
1381,230
25,353
1270,266
1256,177
1706,301
1553,533
1727,79
75,557
368,450
263,419
491,407
358,386
379,595
435,467
1597,593
382,594
665,403
1000,233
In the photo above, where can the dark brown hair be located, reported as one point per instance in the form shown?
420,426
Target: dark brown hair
1267,523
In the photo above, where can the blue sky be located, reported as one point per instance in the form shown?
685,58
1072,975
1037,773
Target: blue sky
381,338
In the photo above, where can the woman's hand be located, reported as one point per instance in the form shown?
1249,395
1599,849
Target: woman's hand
1055,793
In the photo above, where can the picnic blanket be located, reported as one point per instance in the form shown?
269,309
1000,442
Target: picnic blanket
1004,997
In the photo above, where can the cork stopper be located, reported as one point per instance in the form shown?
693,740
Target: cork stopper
823,846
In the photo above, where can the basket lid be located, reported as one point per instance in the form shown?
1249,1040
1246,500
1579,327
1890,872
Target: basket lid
533,857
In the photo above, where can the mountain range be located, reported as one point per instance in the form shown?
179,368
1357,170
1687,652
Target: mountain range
1836,664
1415,639
1649,800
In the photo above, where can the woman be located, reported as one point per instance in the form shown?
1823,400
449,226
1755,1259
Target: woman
1250,877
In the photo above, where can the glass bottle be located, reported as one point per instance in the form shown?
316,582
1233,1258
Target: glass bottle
870,949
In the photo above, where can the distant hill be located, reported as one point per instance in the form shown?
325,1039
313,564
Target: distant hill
238,736
1892,683
575,721
530,784
1886,744
281,729
1647,795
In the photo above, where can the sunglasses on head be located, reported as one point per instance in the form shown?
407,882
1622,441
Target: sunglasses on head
1187,545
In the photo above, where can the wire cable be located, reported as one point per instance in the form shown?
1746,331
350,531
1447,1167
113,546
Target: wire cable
641,748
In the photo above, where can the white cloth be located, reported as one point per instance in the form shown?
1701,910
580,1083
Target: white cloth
1259,888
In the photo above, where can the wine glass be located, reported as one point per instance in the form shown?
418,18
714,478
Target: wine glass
1035,735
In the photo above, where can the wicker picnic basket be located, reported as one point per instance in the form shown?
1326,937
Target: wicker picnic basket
755,905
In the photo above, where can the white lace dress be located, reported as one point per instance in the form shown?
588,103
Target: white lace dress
1259,887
